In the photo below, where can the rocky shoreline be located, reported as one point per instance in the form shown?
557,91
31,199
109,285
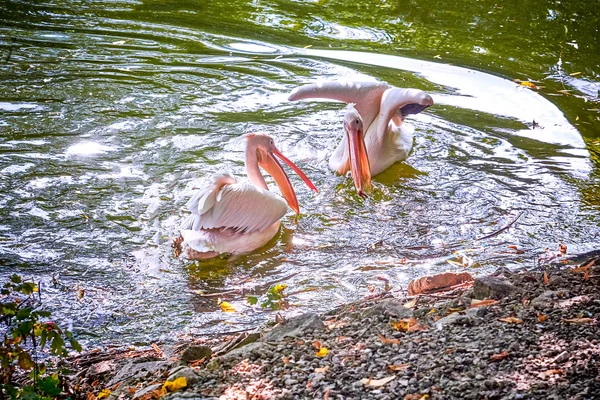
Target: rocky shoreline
525,335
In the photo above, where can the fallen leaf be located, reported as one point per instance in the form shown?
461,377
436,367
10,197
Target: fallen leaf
416,396
586,276
482,303
285,360
498,357
322,352
553,372
104,393
511,320
403,324
585,267
562,248
326,396
528,84
541,317
322,370
411,303
546,279
385,340
343,338
578,320
417,327
132,390
371,288
226,307
377,382
317,345
175,385
398,367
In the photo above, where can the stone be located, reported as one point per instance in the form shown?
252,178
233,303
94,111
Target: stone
436,283
146,391
490,287
545,300
188,373
296,327
193,353
389,308
132,371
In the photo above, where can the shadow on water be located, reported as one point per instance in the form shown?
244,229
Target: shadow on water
113,112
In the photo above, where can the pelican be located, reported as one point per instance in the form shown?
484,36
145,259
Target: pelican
381,109
237,217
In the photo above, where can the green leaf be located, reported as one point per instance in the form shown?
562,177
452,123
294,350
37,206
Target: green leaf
75,344
58,345
50,386
23,313
44,314
28,287
252,300
25,361
9,308
16,278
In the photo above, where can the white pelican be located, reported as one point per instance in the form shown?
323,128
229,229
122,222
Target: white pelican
383,109
237,217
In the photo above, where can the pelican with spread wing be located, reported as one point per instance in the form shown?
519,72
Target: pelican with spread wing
235,217
375,136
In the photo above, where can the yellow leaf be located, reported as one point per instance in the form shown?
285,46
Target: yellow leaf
529,85
377,382
404,324
322,352
511,320
411,303
177,384
226,307
104,393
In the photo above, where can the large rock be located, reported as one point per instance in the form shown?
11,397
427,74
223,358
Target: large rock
193,353
296,327
436,283
188,373
490,287
133,372
545,300
389,308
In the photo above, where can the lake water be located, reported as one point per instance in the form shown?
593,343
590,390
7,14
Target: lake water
112,112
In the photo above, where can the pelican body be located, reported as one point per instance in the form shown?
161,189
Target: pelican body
380,110
238,217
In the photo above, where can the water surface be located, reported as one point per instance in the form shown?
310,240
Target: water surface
112,112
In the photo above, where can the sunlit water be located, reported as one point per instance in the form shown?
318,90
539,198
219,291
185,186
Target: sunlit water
113,113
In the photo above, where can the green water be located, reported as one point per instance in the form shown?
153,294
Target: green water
112,112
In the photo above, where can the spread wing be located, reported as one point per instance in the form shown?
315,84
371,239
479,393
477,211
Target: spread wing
365,95
225,203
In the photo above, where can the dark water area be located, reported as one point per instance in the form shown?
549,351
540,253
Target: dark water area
112,112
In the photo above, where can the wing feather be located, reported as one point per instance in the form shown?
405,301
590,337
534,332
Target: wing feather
243,207
365,95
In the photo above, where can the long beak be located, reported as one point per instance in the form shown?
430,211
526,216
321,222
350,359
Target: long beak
274,168
359,161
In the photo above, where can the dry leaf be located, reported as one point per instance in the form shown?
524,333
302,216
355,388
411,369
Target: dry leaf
553,372
226,307
416,396
541,317
584,268
482,303
417,327
175,385
317,345
562,248
91,396
586,276
546,279
385,340
104,393
322,370
529,85
411,303
498,357
511,320
578,320
377,382
132,390
322,352
285,360
326,396
404,324
371,288
398,367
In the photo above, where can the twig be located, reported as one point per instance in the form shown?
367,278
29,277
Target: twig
501,229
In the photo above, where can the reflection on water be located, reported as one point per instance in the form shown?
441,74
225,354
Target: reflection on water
112,113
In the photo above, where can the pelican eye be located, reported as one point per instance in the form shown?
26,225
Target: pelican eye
357,122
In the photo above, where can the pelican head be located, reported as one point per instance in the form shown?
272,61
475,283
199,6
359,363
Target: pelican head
359,161
261,151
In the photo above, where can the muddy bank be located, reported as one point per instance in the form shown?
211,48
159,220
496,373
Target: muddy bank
508,336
